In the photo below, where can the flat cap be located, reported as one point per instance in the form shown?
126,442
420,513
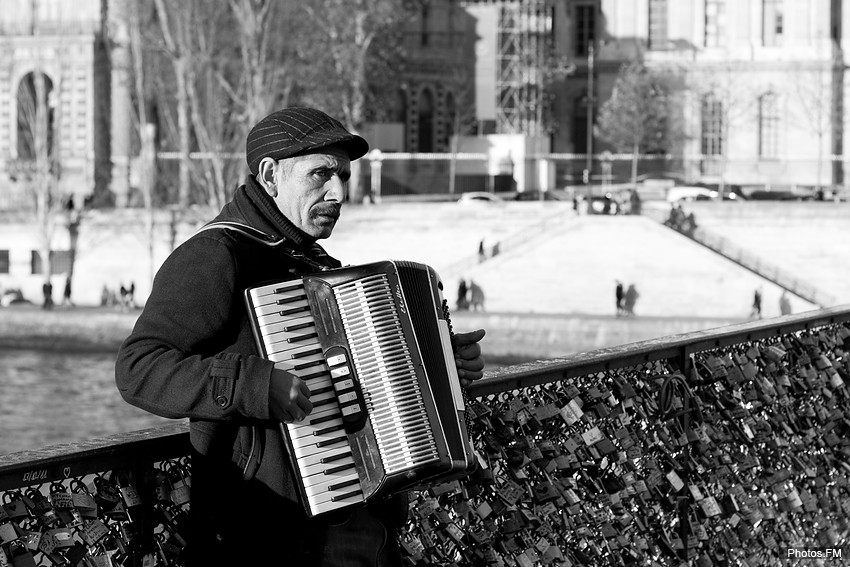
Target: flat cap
295,130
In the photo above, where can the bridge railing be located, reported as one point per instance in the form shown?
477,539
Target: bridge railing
728,446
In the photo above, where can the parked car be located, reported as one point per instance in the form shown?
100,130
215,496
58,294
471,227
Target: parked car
782,193
535,196
700,193
833,194
479,198
689,193
12,297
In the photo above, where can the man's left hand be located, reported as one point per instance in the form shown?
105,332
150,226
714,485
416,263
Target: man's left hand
470,363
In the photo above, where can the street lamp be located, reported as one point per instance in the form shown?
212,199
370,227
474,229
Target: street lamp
589,163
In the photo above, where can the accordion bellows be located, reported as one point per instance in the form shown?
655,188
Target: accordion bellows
374,344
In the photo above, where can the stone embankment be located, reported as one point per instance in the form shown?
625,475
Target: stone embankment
511,338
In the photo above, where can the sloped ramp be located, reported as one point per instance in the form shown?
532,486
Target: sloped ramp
748,260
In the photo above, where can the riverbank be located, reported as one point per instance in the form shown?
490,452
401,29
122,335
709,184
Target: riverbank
78,329
511,337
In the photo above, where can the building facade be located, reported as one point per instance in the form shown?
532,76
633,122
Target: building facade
763,81
67,44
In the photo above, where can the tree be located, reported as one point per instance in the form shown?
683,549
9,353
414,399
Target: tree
38,159
231,62
352,34
726,99
636,118
814,112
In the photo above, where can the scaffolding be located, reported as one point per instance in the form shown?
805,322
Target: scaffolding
524,43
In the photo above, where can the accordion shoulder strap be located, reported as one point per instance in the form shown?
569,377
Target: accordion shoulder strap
271,240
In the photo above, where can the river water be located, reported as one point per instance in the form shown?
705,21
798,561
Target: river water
49,397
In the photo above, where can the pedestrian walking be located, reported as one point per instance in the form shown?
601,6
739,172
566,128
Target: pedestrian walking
784,304
47,290
755,312
123,299
481,253
476,299
629,300
462,300
66,293
619,294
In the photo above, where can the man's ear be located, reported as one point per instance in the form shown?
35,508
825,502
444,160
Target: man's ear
265,176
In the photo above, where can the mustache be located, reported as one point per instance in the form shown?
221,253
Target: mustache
326,210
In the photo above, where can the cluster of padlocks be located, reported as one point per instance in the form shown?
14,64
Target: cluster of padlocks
741,459
735,456
99,521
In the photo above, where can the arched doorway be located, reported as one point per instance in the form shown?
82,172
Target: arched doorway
426,121
36,118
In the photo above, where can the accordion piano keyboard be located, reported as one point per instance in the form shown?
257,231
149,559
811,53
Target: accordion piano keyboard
322,451
385,368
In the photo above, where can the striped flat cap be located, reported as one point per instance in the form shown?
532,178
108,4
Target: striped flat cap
295,130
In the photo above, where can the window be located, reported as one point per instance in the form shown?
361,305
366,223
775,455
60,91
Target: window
60,262
424,30
657,24
712,126
585,28
715,22
768,126
4,261
580,110
772,23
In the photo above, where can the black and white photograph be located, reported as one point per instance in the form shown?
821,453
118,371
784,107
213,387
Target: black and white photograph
329,283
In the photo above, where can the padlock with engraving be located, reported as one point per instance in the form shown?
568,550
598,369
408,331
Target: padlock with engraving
41,508
63,503
84,502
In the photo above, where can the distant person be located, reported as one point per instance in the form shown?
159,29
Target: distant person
123,299
677,216
619,294
476,298
629,300
104,296
481,253
462,301
784,304
635,202
755,312
689,225
47,290
66,293
131,295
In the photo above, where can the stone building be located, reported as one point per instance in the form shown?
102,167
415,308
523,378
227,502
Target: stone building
764,80
73,45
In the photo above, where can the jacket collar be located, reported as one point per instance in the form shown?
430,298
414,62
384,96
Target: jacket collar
267,208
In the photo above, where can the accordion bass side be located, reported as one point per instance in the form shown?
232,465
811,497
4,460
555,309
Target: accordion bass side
373,343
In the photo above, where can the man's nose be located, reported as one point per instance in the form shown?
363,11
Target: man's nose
336,189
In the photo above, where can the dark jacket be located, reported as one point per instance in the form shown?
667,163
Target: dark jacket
192,354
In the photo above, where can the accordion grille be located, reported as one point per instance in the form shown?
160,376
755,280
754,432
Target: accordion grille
387,375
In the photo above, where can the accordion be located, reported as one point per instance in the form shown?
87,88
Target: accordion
374,344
